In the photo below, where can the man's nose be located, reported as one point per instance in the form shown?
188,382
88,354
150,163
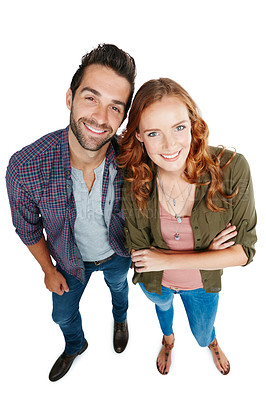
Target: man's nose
100,115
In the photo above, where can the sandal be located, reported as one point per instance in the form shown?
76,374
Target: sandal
216,354
167,349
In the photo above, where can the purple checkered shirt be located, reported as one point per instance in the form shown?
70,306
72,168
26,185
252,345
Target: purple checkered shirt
40,192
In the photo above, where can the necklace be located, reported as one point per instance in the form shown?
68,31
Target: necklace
171,208
174,198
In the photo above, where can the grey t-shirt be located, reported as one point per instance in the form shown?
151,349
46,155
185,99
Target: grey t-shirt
90,230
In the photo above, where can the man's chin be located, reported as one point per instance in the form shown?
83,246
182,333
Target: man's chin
96,146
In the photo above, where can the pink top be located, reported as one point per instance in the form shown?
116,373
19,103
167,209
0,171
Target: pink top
179,279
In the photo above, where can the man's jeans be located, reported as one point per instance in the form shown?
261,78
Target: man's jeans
201,308
66,307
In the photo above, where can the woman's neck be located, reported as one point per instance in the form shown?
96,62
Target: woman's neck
175,194
171,176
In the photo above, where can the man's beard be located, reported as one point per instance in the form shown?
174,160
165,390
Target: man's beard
92,143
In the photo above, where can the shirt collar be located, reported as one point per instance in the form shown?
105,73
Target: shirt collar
110,154
65,149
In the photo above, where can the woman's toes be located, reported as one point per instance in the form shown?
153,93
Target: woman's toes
219,358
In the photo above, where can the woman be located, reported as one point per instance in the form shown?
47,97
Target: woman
184,201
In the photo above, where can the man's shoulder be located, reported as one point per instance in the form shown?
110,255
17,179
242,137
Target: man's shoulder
42,147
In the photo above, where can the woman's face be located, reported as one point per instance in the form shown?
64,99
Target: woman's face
165,130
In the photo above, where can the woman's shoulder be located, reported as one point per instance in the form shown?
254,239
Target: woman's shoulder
228,157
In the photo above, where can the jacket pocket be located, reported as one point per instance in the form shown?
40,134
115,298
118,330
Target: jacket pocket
217,222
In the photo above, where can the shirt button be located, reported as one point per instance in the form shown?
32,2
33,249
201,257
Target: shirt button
196,227
68,186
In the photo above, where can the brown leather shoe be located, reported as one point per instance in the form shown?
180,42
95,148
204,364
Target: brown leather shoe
120,336
63,364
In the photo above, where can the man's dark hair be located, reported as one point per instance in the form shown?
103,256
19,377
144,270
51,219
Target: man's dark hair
110,56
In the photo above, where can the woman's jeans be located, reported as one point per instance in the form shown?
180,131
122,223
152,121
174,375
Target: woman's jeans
201,308
66,307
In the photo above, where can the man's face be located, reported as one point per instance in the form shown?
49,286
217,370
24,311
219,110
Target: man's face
98,107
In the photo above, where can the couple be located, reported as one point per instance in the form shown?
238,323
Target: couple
183,202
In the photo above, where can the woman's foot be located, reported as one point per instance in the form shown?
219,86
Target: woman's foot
164,357
219,358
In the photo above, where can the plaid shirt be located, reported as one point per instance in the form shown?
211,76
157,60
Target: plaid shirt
40,193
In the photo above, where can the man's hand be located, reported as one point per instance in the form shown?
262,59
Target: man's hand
55,282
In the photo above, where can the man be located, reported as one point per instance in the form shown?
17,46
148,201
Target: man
68,184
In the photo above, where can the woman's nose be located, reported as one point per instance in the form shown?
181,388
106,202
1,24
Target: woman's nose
169,143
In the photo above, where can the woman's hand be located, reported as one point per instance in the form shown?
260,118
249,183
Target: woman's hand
153,259
222,241
147,260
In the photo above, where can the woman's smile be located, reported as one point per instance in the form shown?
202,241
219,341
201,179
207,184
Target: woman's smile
171,157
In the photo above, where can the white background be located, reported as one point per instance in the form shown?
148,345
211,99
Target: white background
216,50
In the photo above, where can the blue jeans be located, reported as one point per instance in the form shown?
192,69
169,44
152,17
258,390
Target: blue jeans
66,307
201,308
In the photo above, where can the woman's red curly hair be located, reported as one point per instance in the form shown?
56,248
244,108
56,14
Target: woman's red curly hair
140,170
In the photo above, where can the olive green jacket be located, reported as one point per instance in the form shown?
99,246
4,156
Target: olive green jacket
144,231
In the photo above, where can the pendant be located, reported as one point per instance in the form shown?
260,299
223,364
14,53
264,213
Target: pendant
177,237
174,203
178,219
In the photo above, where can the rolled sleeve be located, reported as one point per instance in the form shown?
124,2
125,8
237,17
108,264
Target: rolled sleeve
244,213
25,213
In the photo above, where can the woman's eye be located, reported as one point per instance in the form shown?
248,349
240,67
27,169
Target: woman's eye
153,134
180,128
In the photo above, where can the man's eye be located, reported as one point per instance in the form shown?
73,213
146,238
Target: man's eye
116,109
90,98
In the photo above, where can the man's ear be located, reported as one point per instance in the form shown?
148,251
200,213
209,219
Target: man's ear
69,98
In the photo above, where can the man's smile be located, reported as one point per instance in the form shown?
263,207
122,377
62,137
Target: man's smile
93,130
